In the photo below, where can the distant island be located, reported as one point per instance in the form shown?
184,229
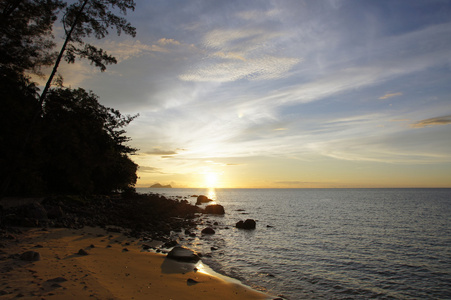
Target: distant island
159,186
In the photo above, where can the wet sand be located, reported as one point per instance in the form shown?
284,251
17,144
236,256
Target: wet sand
116,267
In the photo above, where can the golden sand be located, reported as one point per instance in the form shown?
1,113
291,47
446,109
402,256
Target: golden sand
115,268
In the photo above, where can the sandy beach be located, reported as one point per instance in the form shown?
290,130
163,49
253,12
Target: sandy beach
115,267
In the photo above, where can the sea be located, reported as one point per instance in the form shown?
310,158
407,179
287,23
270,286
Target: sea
329,243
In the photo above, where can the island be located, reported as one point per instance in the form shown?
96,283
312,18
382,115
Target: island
160,186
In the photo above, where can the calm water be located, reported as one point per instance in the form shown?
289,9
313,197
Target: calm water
332,243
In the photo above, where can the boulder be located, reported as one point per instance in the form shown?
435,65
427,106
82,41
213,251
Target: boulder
183,254
208,230
239,224
35,211
248,224
215,209
202,199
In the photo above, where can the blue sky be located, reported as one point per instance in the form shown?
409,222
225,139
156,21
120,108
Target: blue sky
339,93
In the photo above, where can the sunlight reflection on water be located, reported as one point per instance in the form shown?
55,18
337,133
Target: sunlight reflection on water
212,195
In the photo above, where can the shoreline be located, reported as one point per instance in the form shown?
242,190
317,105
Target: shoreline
116,267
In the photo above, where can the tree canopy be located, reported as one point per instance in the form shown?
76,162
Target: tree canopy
61,140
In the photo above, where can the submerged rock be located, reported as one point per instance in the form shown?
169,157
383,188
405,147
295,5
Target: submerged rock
183,254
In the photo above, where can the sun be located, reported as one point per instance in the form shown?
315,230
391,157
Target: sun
211,179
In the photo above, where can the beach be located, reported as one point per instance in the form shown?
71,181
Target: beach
115,267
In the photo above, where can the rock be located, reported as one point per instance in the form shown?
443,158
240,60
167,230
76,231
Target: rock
190,281
215,209
82,252
30,256
55,212
208,230
170,244
183,254
248,224
202,199
35,211
57,279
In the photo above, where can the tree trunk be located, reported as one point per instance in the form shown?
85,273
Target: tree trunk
60,55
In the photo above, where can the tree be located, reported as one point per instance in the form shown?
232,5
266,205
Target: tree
27,44
85,144
26,40
87,18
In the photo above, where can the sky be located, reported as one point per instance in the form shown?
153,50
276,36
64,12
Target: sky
283,94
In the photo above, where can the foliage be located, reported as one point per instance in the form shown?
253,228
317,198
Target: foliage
94,19
73,143
18,105
26,39
85,143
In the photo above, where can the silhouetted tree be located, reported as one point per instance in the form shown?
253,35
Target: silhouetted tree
87,134
18,105
87,18
26,40
85,144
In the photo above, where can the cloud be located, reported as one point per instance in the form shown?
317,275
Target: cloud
157,151
234,54
257,15
128,49
144,169
165,41
263,68
445,120
386,96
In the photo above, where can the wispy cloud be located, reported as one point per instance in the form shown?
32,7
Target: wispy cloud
386,96
145,169
445,120
158,151
240,54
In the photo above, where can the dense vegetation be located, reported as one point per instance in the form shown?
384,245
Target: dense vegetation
59,140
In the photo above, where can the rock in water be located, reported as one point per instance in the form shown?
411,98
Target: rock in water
248,224
208,230
202,199
30,256
215,209
183,254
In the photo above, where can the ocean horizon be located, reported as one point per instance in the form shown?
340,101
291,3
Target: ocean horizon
334,243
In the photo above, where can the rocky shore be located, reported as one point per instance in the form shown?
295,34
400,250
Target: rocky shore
36,232
141,216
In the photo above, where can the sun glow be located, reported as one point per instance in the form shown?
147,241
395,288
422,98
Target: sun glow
211,179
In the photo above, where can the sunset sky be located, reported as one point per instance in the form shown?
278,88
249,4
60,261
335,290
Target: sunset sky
290,94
